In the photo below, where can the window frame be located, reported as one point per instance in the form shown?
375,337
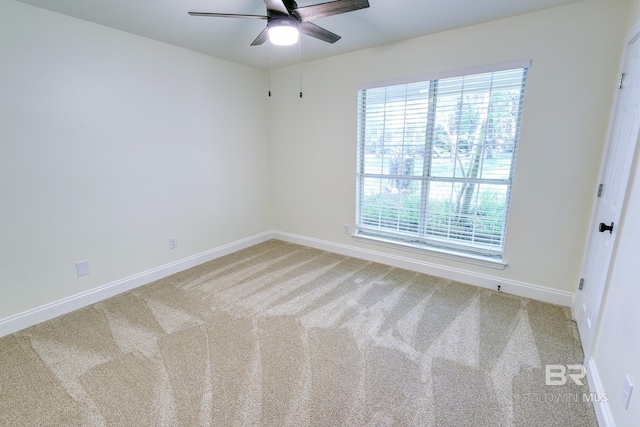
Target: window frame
449,250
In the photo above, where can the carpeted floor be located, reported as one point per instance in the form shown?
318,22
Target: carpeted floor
284,335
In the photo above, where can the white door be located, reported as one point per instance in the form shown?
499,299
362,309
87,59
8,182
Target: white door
614,177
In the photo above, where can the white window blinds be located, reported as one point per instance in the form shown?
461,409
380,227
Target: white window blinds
436,160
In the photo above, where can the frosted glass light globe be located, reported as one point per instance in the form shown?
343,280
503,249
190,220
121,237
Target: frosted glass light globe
283,32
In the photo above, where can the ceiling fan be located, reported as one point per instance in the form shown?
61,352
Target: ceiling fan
285,19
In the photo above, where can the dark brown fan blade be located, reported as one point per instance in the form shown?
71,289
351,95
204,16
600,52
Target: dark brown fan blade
309,13
227,15
262,37
277,6
320,33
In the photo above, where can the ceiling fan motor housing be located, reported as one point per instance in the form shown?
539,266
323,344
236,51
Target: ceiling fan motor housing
283,21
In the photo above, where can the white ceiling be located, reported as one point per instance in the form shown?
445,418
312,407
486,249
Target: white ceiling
384,22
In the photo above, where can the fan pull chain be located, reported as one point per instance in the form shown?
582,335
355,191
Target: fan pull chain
300,66
268,64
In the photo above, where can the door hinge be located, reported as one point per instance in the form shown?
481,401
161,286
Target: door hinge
581,285
621,81
600,187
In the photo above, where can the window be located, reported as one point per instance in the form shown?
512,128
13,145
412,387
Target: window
436,160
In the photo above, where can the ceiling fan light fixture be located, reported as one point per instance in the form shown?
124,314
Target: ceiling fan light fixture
283,32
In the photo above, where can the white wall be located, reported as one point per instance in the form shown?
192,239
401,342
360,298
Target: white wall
110,144
575,50
634,12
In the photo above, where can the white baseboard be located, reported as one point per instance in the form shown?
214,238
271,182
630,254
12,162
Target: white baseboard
527,290
601,406
46,312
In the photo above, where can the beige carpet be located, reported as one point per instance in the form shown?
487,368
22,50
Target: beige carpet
284,335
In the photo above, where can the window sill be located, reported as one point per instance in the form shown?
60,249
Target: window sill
480,260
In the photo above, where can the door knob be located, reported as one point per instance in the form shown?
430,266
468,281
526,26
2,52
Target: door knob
604,227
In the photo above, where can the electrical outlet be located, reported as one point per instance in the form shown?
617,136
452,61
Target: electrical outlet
626,392
346,228
82,268
173,242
